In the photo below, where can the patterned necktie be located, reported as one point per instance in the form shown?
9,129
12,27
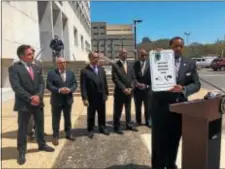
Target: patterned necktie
31,72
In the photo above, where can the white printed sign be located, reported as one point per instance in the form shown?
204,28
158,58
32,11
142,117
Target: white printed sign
163,71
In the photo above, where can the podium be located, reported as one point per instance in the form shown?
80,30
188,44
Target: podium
201,133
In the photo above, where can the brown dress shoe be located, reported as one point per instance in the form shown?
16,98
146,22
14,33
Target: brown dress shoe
55,141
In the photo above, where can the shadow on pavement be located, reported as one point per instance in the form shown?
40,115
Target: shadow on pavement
9,153
129,166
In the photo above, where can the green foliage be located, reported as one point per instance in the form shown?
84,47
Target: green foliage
193,50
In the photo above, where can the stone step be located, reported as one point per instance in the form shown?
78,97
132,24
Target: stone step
110,88
48,94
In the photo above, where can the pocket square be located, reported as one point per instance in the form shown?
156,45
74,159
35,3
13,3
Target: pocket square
188,74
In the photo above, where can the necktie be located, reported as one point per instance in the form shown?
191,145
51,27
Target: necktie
125,66
63,76
177,64
96,70
142,67
31,73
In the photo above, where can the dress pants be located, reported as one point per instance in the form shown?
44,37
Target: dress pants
142,96
119,101
56,116
96,105
166,134
23,119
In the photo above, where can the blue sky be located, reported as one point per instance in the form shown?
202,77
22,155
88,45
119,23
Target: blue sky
204,20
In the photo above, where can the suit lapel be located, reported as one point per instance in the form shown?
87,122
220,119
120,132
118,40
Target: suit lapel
59,76
94,76
24,69
145,68
122,68
182,69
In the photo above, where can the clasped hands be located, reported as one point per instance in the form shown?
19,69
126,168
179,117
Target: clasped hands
127,91
64,90
35,100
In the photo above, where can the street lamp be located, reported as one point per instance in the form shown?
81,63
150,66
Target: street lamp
187,34
135,36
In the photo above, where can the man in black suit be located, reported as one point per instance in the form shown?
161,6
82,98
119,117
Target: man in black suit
166,125
94,90
62,83
27,82
142,90
124,80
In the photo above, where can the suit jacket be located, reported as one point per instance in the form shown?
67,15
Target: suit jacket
24,87
92,84
145,77
187,77
121,79
55,82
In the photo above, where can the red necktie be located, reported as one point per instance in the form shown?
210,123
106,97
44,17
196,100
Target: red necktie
31,73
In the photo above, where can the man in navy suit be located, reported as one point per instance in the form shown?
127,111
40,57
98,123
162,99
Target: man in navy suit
62,83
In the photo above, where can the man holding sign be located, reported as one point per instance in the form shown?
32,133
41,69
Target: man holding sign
166,125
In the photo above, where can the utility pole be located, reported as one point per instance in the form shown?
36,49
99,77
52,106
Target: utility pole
135,36
187,34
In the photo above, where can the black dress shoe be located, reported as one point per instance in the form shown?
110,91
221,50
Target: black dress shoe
90,134
21,159
172,167
148,125
138,123
69,137
46,148
103,130
118,131
129,127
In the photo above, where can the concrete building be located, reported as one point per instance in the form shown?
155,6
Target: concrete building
36,23
109,39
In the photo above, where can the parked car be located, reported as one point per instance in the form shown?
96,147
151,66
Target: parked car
218,64
205,61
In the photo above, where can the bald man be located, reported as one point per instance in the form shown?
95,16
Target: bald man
124,80
62,83
142,91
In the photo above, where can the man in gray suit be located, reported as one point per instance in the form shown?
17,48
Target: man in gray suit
27,82
166,125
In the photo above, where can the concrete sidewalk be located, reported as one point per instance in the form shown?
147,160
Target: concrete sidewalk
36,159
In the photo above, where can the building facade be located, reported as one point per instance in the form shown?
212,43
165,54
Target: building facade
36,23
110,39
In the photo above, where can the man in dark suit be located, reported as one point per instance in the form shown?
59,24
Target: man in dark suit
142,90
28,84
94,90
166,125
62,83
31,124
124,80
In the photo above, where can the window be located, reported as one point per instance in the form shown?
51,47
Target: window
82,42
75,36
